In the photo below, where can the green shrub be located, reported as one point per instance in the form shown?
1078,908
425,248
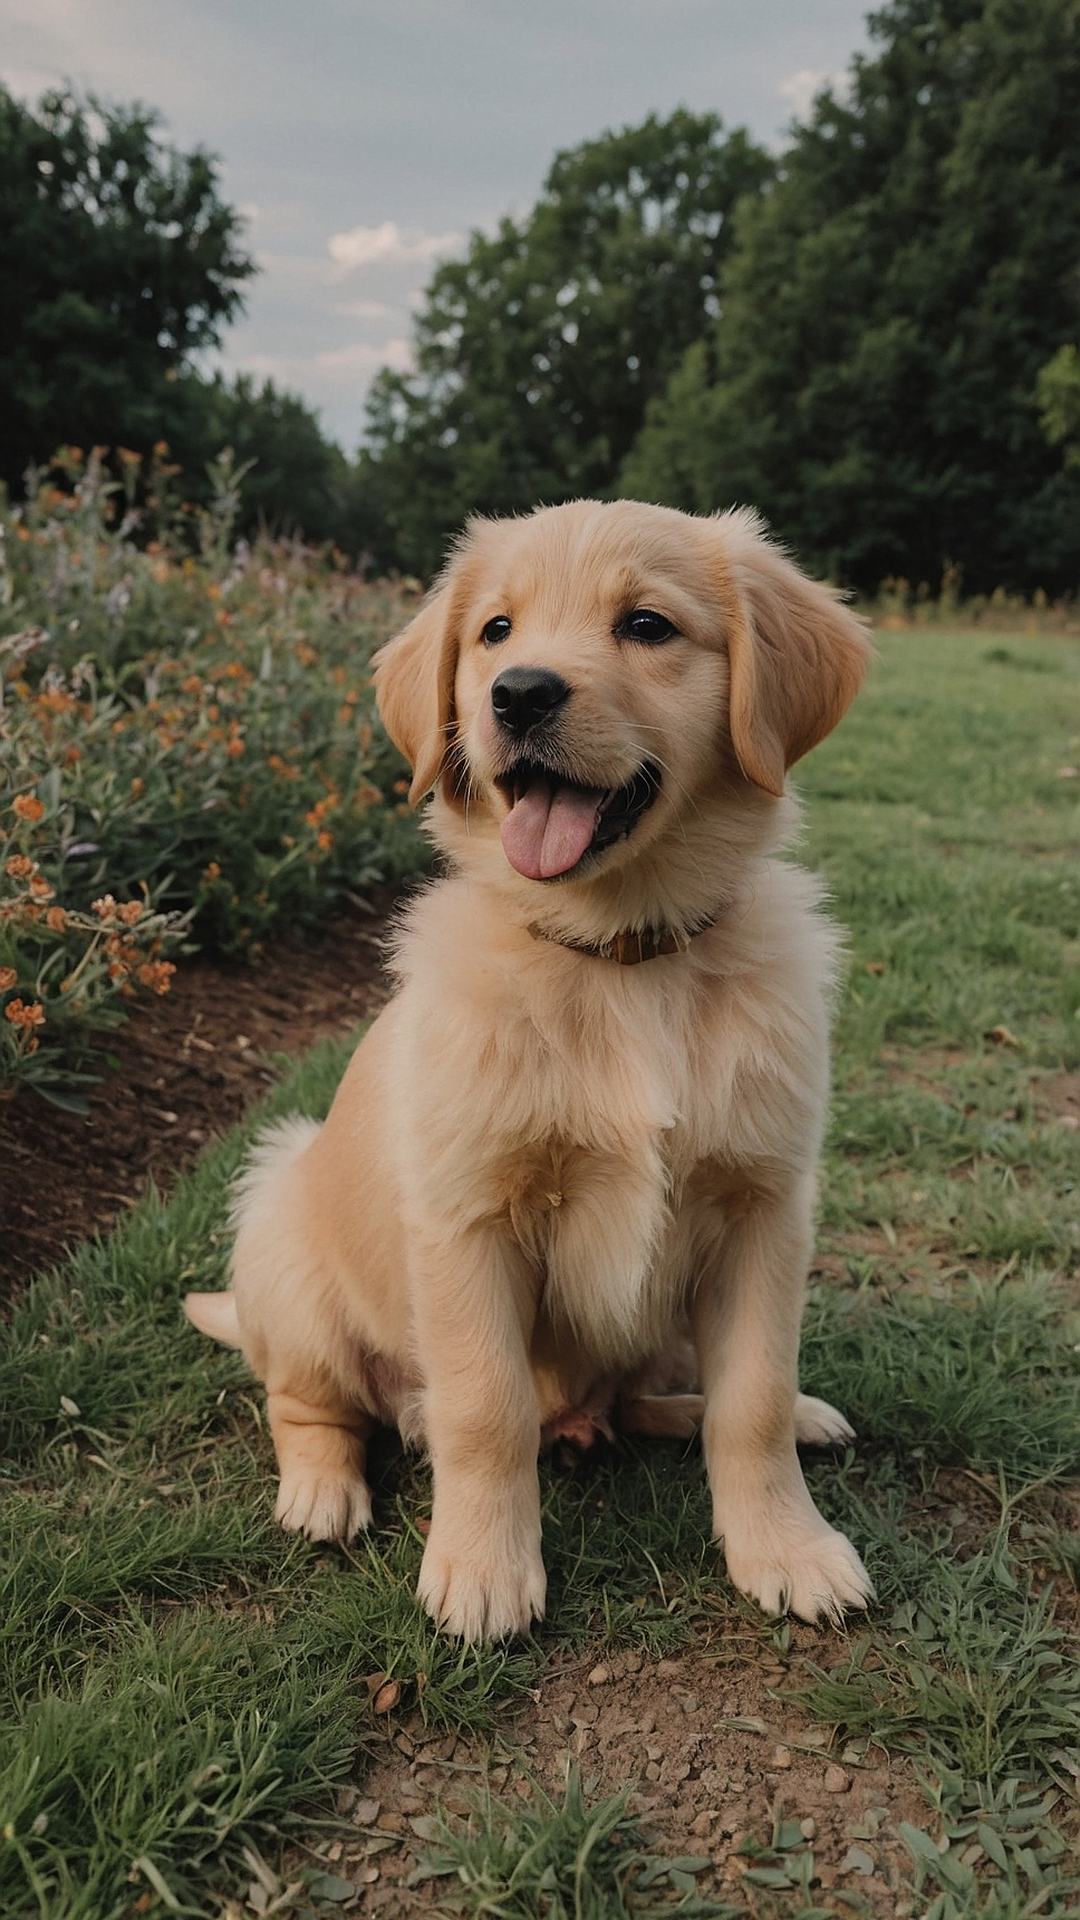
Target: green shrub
193,734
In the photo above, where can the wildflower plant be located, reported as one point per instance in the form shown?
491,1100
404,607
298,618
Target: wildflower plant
187,729
65,973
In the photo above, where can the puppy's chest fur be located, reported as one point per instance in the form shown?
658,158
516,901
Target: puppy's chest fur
611,1190
627,1114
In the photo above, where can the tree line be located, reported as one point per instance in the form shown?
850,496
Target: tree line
871,336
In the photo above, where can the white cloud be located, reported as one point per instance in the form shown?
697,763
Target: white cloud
385,246
335,370
361,362
363,309
802,87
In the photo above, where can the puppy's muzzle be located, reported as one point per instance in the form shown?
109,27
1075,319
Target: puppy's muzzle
525,697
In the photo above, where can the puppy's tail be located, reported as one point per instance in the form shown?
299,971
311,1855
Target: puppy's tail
664,1416
215,1314
271,1155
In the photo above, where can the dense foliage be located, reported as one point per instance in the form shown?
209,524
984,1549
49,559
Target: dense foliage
887,308
120,264
188,749
873,338
537,354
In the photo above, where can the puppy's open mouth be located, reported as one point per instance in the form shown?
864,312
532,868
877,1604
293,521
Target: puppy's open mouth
553,824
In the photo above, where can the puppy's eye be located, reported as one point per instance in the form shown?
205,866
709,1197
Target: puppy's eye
496,630
650,628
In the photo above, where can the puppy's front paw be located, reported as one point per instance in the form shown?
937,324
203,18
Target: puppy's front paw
819,1425
476,1598
323,1504
803,1567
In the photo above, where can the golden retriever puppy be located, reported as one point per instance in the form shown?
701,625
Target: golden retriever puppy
572,1165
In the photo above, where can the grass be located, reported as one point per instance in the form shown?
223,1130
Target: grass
180,1684
571,1862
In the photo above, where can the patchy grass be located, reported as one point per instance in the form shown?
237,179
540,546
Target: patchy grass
182,1684
570,1862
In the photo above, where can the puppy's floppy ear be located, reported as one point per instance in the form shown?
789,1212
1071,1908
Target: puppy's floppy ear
796,653
414,688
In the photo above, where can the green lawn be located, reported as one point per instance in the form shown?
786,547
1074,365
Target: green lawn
180,1680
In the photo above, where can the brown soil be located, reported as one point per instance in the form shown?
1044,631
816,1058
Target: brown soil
191,1063
715,1753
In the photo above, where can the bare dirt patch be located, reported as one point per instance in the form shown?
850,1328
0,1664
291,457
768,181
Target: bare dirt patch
714,1754
190,1065
1057,1097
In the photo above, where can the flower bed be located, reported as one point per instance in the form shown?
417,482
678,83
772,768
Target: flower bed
188,750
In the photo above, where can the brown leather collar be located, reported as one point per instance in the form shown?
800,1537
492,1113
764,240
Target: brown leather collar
630,948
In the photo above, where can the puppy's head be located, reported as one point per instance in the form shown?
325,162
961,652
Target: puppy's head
590,681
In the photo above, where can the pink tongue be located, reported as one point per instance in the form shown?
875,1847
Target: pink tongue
546,832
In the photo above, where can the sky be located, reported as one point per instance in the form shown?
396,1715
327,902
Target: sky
363,140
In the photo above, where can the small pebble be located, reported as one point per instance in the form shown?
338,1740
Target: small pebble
391,1823
781,1758
836,1780
599,1676
808,1827
668,1669
700,1826
365,1813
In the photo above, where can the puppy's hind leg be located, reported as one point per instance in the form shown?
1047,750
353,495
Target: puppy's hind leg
819,1425
322,1455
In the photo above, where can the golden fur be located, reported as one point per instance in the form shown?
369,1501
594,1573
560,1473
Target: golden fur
551,1187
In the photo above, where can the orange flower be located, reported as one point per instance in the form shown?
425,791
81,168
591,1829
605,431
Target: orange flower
234,747
40,887
156,974
105,907
25,1014
131,911
320,810
324,841
138,787
28,806
19,866
56,919
8,977
72,754
211,872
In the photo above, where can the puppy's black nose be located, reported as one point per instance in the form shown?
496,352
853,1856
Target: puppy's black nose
524,696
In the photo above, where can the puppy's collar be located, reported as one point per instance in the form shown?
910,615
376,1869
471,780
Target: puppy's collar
630,947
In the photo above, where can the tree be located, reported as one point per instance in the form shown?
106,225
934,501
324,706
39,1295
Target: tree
1057,390
298,481
887,307
536,355
119,263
